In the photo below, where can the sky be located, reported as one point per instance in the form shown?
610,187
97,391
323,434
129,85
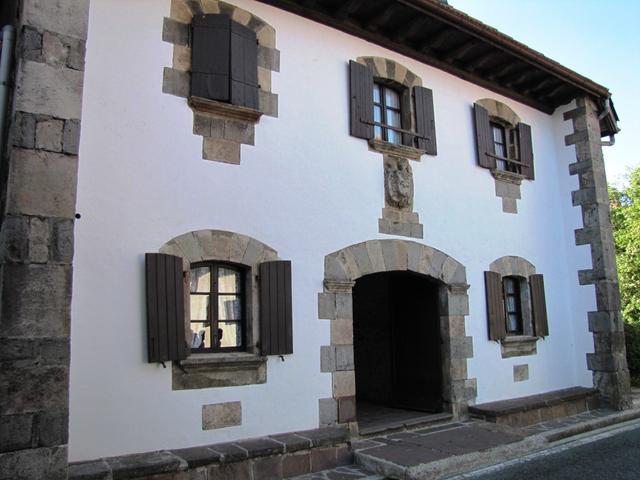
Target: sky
599,39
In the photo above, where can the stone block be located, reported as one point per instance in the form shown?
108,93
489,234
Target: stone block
62,97
326,306
361,257
509,205
71,137
606,362
344,357
181,58
267,36
269,58
327,359
31,44
374,248
344,305
520,373
221,151
583,197
296,464
62,240
176,82
24,130
68,17
49,135
180,11
328,436
39,240
607,295
268,103
230,452
344,384
292,442
267,468
30,390
96,470
323,459
264,79
15,432
417,230
42,184
232,471
175,32
240,132
76,55
145,464
346,409
507,189
328,411
34,463
220,374
335,269
54,50
36,302
52,428
14,245
458,304
261,447
253,253
221,415
198,456
605,321
342,332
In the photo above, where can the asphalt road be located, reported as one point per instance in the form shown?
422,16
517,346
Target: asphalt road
613,455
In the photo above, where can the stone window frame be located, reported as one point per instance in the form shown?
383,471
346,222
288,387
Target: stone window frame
507,183
221,369
224,127
526,343
335,303
396,75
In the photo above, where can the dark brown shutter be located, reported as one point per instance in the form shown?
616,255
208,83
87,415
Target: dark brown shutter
425,119
484,139
360,101
495,306
165,307
224,61
244,66
526,150
539,306
210,57
276,336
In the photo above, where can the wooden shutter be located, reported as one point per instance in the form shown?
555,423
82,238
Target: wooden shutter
224,61
484,138
526,150
165,307
360,101
276,336
244,66
539,306
425,119
495,306
210,57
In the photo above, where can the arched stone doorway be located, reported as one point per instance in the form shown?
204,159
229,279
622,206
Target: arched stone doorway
342,269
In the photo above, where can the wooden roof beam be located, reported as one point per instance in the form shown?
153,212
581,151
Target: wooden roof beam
460,51
377,21
402,33
482,61
347,8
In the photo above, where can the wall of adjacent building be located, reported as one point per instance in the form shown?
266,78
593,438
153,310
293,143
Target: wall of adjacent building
306,189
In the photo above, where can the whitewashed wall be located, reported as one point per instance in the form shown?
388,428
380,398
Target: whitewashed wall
307,189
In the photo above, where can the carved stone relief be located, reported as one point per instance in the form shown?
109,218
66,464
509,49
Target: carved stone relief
398,183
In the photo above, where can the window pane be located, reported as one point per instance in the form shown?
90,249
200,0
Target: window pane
230,334
393,118
199,307
200,335
511,304
391,98
200,279
394,137
377,131
376,93
512,323
377,113
497,134
229,307
509,285
228,280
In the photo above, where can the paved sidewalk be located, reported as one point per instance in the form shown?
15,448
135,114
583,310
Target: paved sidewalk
456,447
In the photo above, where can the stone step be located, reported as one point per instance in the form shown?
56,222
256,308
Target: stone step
403,424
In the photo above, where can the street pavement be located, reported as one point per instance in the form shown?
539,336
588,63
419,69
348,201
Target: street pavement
610,455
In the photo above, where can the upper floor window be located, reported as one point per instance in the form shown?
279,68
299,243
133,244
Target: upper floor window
506,148
512,305
217,307
387,113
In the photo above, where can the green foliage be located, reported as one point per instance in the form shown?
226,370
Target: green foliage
625,216
632,339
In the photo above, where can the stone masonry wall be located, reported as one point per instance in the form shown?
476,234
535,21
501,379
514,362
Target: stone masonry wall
36,237
608,362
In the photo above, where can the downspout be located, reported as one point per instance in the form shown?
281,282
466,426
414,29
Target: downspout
607,110
8,36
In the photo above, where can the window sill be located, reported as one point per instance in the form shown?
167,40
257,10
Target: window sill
518,346
403,151
506,176
211,370
225,110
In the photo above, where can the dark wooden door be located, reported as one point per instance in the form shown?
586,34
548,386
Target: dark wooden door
415,343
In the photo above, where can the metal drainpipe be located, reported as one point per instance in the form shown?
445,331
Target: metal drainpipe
8,36
612,138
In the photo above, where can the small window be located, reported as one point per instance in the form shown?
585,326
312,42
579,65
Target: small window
512,305
217,300
505,147
387,114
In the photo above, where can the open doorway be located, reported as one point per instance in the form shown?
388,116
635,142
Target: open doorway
398,361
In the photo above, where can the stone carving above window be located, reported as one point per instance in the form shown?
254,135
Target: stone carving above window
223,126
